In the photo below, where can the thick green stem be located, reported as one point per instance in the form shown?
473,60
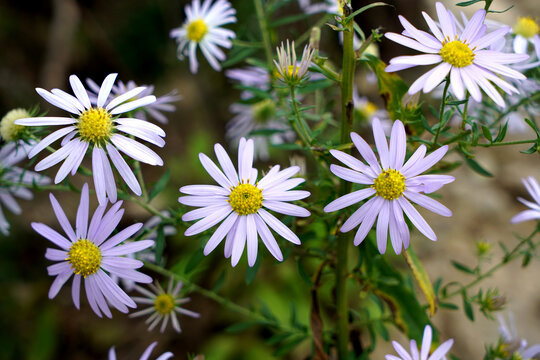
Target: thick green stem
263,24
441,113
347,106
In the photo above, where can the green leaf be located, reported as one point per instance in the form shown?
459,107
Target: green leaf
476,167
467,306
303,273
45,339
467,3
364,8
456,102
448,306
241,326
289,345
219,283
421,278
289,19
160,185
502,133
487,133
194,260
462,267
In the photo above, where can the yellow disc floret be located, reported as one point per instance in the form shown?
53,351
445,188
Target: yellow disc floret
164,304
526,27
196,30
10,131
84,257
95,125
457,53
245,199
389,185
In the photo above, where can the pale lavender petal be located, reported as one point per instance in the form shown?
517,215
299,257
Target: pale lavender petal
442,350
105,89
417,219
99,175
121,236
208,221
215,172
55,254
124,170
279,227
424,164
428,203
411,43
245,160
76,290
130,94
142,134
367,153
350,175
81,223
220,233
381,143
401,351
398,145
62,219
525,216
56,157
357,217
272,179
226,163
132,105
446,21
420,82
130,248
350,161
79,91
436,77
48,140
203,212
382,226
239,240
349,199
141,124
267,238
136,150
291,195
58,282
368,221
251,235
203,190
51,235
285,208
422,36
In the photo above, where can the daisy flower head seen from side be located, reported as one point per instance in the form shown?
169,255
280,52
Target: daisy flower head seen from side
13,179
526,31
241,202
203,28
99,129
9,131
423,352
463,56
92,254
164,305
390,184
154,110
146,354
533,213
289,70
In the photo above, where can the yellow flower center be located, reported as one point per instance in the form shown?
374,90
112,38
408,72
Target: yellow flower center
164,304
526,27
10,131
245,199
457,53
196,30
95,125
389,185
84,257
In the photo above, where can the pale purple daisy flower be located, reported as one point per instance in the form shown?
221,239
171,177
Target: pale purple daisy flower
97,128
11,177
154,110
461,55
92,254
241,201
526,32
533,213
146,354
203,28
514,343
164,305
423,352
259,116
391,185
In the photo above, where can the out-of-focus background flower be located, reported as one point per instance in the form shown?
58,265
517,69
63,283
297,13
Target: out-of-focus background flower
43,42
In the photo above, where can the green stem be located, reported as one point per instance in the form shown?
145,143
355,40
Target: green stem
140,178
263,24
299,124
347,82
219,299
37,187
513,254
146,206
532,99
465,110
517,142
441,113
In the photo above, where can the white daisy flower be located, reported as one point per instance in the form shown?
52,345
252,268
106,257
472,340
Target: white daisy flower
423,352
258,116
241,201
91,254
533,213
146,353
515,344
164,305
461,55
391,185
10,178
290,71
527,32
250,76
154,110
97,128
365,109
203,28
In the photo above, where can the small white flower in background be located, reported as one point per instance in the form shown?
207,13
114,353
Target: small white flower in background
365,109
146,354
9,131
423,352
11,177
250,76
391,185
527,32
461,55
164,305
259,116
515,344
328,6
290,71
91,254
97,128
162,103
203,28
533,213
240,201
